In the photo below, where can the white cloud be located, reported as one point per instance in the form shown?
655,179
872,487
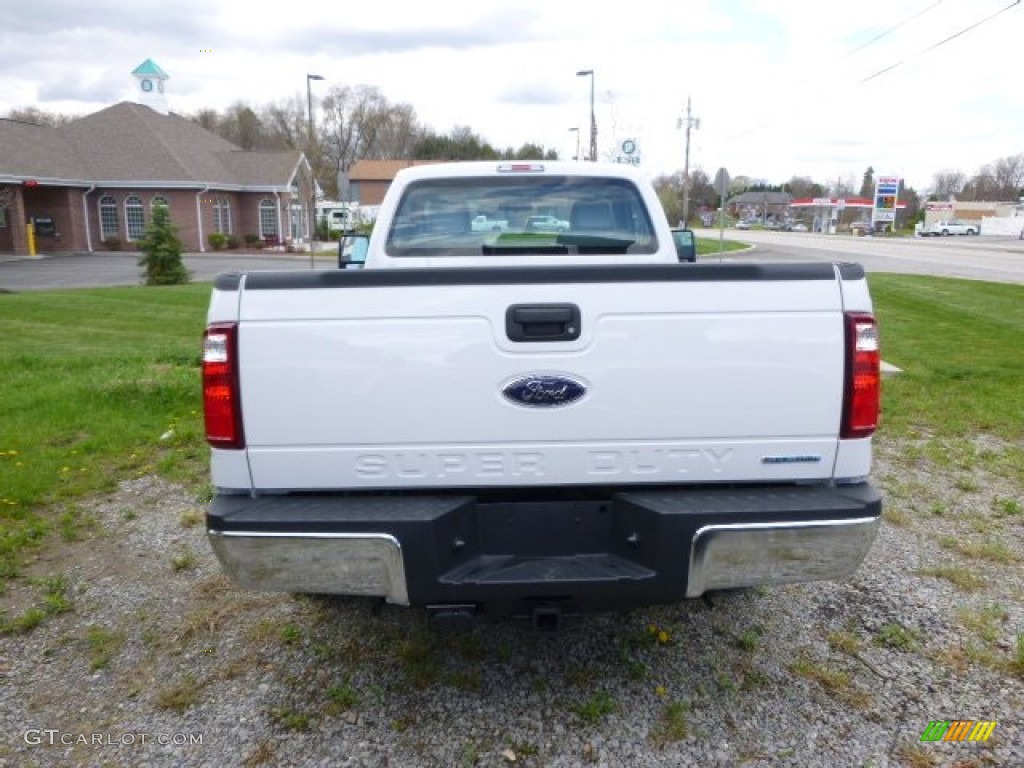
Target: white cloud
780,88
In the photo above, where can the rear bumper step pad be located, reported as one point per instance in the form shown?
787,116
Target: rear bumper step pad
630,548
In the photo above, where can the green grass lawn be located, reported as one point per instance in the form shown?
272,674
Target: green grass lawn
960,344
709,246
100,385
92,379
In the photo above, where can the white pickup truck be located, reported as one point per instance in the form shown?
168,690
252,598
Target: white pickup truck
481,223
539,424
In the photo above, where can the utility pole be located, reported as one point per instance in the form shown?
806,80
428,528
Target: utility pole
593,119
691,122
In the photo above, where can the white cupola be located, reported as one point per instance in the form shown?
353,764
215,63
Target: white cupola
150,89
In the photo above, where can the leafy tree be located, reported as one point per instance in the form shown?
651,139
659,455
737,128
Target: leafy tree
702,191
914,210
529,151
669,191
161,250
867,186
802,186
460,144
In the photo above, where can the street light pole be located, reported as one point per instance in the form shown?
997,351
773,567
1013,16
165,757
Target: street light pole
309,146
593,120
577,130
309,102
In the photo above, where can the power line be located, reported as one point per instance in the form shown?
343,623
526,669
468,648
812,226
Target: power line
900,63
867,44
939,44
892,29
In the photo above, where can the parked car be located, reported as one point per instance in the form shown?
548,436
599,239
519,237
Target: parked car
950,227
799,227
743,224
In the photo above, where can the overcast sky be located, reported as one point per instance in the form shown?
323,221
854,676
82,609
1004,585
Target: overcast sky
781,88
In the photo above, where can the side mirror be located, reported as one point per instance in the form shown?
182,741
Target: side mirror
686,245
352,251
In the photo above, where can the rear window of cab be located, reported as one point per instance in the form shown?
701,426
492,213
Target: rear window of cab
521,215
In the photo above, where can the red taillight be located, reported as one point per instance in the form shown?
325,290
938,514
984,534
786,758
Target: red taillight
221,405
863,377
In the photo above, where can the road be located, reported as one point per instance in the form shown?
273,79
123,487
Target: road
974,258
88,270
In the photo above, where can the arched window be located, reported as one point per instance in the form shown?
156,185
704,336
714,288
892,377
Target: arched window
108,218
268,218
222,215
159,200
134,217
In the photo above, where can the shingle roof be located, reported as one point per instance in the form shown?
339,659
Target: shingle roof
130,142
761,198
37,152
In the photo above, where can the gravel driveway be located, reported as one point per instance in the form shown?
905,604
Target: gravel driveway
159,661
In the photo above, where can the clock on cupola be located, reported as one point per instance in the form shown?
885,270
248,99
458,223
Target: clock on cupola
151,85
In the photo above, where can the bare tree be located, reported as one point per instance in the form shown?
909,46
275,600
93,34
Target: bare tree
242,126
1008,177
285,123
981,186
948,183
396,133
350,126
208,119
38,116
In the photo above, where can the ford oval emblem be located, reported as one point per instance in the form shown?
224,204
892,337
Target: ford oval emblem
544,391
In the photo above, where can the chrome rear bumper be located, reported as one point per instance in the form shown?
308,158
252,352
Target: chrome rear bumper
753,554
636,548
367,564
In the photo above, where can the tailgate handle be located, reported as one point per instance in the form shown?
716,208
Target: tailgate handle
542,322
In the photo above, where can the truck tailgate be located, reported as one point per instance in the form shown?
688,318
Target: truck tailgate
401,378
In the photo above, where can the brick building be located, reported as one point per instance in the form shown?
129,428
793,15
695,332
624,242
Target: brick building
91,183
